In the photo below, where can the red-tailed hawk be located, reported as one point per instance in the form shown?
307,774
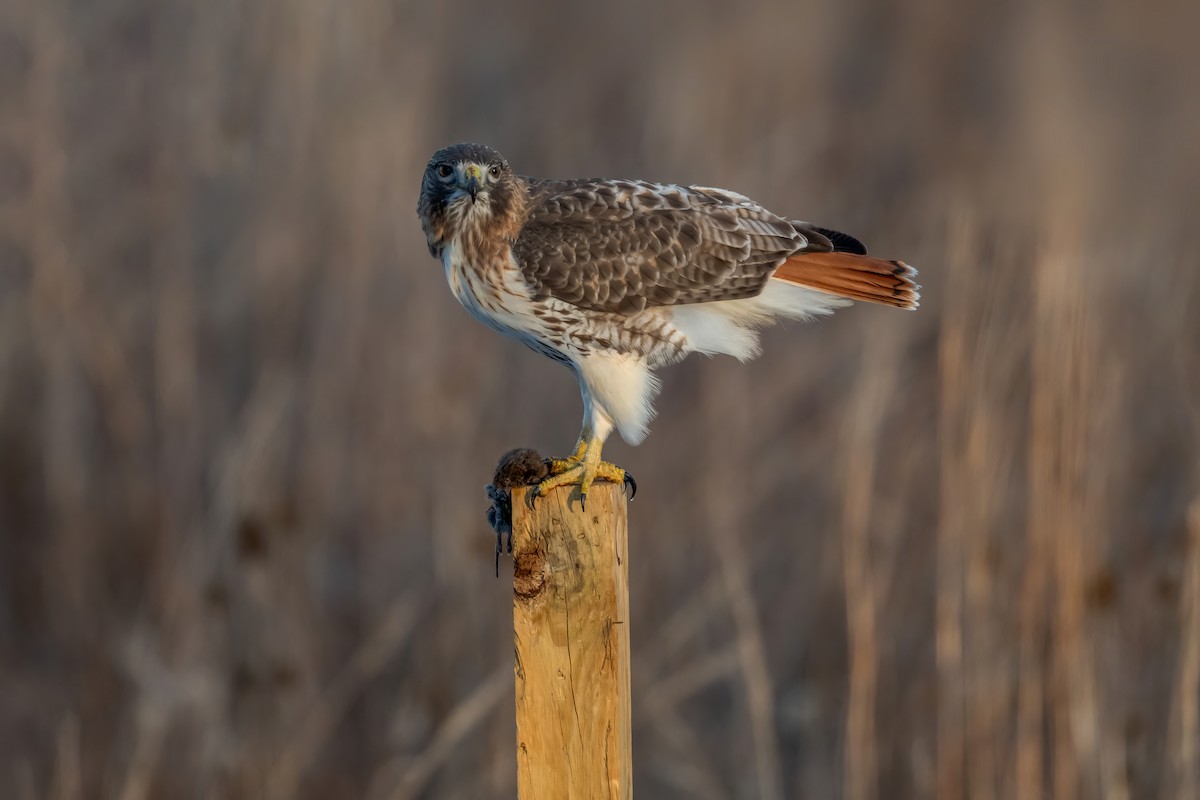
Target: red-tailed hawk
615,278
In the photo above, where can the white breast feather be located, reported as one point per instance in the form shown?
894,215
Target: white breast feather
505,307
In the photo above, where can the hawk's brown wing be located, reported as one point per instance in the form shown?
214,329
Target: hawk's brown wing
623,246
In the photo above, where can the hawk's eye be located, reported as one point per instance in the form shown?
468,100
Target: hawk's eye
494,171
444,170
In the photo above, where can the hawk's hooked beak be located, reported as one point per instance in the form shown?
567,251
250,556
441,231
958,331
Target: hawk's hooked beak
470,178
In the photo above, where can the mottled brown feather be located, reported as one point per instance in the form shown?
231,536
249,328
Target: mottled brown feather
623,246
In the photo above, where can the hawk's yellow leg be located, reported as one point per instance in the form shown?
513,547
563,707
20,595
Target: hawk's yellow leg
584,467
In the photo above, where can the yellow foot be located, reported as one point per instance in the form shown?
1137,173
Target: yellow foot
571,471
558,466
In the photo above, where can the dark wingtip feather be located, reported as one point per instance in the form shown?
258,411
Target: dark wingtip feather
843,242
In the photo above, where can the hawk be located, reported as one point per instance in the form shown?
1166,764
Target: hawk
615,278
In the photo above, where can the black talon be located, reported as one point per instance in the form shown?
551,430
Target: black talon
631,484
531,497
583,500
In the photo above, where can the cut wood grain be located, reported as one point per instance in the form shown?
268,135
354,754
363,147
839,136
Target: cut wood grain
571,637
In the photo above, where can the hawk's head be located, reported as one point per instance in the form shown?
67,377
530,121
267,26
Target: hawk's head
469,190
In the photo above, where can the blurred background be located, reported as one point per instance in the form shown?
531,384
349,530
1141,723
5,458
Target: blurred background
245,428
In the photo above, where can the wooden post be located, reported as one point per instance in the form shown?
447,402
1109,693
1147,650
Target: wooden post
571,637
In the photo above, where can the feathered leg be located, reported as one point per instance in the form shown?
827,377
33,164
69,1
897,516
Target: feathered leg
584,466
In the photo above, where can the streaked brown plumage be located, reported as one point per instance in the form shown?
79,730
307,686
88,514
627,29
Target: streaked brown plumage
617,277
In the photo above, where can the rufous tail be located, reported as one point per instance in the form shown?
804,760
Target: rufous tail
854,276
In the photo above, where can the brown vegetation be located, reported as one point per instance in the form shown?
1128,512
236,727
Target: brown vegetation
244,428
